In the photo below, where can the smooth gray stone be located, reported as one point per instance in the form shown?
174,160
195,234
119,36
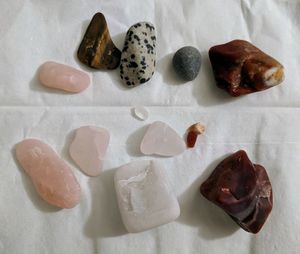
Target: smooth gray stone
187,63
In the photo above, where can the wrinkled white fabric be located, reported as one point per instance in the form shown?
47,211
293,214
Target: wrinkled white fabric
264,124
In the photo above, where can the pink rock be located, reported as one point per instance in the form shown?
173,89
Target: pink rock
144,196
51,176
161,139
63,77
88,149
140,113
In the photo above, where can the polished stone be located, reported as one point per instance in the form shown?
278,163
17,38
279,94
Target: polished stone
88,149
241,68
161,139
140,113
97,49
193,132
138,55
187,63
242,189
144,197
63,77
51,176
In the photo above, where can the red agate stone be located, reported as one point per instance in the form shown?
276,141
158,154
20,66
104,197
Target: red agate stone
242,189
240,68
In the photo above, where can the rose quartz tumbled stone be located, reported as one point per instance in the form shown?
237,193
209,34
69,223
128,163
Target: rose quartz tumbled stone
161,139
63,77
51,176
88,149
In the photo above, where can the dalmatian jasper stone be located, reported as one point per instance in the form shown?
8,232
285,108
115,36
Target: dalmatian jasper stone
138,55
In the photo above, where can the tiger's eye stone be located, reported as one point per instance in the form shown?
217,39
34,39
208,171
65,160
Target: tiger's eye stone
242,189
241,68
97,50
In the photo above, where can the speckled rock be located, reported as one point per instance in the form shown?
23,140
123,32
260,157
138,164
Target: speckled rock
187,63
138,55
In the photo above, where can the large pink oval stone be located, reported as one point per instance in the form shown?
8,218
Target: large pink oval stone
63,77
51,176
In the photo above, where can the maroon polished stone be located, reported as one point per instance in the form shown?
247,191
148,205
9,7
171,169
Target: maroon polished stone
242,189
241,68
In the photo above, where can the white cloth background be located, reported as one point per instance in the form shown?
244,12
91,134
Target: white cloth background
265,124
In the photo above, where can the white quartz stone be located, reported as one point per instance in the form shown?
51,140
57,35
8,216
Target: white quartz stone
161,139
141,113
88,149
144,198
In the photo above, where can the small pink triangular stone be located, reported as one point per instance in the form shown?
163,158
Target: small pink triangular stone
51,176
63,77
88,149
161,139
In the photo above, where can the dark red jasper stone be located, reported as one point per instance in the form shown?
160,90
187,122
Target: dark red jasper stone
242,189
241,68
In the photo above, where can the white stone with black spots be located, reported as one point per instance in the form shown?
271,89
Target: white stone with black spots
138,55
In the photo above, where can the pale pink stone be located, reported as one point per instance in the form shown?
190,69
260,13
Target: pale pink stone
88,149
51,176
63,77
161,139
144,196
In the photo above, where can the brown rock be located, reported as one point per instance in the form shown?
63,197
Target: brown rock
240,68
192,134
97,49
242,189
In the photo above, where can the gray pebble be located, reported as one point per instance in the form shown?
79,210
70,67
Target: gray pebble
187,63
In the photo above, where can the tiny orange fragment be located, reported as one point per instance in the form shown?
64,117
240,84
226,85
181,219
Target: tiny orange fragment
193,132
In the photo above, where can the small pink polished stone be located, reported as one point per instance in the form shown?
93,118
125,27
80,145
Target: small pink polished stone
63,77
51,176
88,149
161,139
